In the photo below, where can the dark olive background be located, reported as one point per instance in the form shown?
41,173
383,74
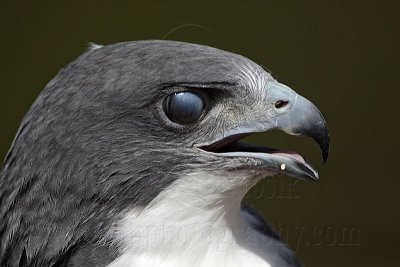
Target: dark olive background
342,55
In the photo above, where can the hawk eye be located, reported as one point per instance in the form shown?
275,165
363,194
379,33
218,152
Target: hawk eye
183,107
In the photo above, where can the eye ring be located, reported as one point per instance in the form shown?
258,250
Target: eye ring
184,107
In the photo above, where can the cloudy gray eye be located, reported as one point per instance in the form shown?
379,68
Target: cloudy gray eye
183,107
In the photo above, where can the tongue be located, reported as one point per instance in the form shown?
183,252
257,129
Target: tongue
289,154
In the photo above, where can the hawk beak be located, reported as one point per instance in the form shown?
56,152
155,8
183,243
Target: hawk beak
298,116
294,115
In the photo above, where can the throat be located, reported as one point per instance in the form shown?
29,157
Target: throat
196,219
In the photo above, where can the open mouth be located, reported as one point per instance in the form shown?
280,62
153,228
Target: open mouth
279,161
300,118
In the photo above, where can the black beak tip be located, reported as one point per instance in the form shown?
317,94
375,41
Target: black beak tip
325,148
325,155
320,134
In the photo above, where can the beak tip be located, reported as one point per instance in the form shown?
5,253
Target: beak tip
325,148
313,176
325,154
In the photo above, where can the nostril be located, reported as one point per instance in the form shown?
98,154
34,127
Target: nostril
281,103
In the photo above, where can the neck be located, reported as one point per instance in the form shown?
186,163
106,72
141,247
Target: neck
197,216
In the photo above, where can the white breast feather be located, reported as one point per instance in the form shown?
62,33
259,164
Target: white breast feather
195,224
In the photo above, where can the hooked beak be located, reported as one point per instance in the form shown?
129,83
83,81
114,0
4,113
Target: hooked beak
295,115
303,118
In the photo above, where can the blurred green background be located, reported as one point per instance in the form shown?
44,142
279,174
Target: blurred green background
342,55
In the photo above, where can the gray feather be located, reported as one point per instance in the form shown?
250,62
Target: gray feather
93,145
